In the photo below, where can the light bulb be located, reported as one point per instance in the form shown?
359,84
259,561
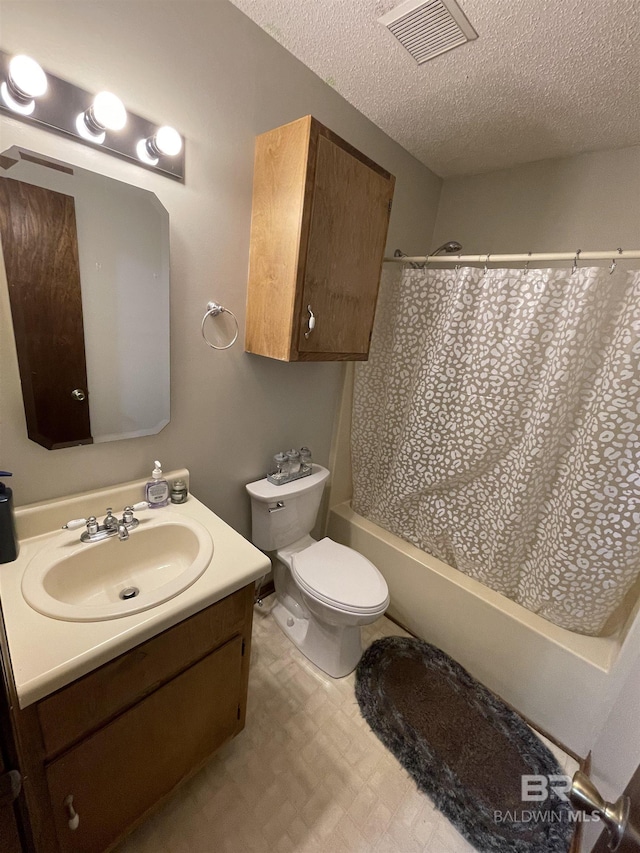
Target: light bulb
108,111
168,141
26,80
85,130
165,140
143,153
27,76
23,109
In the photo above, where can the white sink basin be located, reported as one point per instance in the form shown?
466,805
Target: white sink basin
82,582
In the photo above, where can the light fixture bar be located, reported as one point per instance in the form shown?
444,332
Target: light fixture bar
59,108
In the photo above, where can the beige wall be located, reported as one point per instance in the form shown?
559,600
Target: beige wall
207,69
591,201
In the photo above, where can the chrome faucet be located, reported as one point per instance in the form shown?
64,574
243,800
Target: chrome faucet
111,525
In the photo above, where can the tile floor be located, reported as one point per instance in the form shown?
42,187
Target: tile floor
305,776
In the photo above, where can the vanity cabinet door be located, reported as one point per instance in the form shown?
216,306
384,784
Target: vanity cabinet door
119,773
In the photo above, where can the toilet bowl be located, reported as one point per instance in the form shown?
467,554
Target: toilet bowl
325,591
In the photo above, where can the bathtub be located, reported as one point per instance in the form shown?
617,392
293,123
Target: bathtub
562,682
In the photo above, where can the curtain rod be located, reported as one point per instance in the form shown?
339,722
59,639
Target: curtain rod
611,254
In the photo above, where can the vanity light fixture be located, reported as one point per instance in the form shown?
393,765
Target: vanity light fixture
25,81
166,140
96,120
107,112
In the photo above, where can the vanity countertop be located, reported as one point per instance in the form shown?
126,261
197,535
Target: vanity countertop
48,653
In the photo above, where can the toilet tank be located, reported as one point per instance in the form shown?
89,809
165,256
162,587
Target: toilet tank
275,526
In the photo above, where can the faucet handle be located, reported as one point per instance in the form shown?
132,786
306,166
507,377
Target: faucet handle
127,515
110,521
92,525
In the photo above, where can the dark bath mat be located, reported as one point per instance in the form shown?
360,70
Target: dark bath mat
463,746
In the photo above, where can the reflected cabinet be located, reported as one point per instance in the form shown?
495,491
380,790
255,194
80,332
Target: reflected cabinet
318,232
87,268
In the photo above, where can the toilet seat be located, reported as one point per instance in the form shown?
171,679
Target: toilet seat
340,577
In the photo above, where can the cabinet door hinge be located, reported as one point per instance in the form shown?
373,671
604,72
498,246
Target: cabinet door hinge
243,644
390,203
238,711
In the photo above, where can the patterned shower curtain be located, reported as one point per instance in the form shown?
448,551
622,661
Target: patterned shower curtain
496,426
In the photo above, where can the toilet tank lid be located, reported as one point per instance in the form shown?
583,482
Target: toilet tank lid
341,575
263,490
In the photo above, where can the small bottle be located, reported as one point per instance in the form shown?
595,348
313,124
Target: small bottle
293,457
281,471
179,492
8,538
306,460
156,492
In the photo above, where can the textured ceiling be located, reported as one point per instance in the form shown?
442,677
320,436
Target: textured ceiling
545,78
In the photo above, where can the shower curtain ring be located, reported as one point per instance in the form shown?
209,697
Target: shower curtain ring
613,263
486,270
575,262
526,266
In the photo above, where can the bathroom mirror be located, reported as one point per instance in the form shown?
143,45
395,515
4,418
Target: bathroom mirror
87,262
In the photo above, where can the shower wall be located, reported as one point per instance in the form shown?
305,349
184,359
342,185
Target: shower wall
591,201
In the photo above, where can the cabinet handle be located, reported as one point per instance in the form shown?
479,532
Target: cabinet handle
72,814
311,321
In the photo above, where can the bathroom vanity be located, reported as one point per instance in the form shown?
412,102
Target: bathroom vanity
109,716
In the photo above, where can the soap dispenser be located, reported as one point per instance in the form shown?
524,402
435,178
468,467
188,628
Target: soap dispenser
156,491
8,539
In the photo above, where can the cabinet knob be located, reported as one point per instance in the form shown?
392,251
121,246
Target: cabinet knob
72,814
78,395
311,322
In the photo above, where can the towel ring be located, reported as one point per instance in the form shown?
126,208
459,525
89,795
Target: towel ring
214,310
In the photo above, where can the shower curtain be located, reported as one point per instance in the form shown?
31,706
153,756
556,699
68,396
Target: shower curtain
496,427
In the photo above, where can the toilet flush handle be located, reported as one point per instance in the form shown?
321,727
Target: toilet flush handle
280,505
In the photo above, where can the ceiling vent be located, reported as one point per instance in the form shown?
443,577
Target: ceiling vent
427,28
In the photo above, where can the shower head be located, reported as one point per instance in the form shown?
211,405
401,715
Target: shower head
448,248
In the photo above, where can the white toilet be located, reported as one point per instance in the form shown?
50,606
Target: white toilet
324,591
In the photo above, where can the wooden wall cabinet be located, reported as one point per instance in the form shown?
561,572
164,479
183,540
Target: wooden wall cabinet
113,744
318,232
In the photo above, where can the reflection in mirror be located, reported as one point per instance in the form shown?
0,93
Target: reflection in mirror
87,262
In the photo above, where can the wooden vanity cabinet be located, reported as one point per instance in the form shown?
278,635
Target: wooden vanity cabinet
115,743
318,232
